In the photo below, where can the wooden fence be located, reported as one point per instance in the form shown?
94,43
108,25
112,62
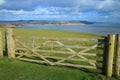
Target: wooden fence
86,53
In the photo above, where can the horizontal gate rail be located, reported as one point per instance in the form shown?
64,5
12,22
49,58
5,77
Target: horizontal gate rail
61,39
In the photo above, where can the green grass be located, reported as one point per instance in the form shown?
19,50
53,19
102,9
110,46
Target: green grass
19,70
51,33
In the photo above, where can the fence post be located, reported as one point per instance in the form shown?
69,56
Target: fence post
104,56
1,46
10,43
110,54
117,56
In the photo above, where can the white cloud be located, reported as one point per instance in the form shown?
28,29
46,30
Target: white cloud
106,3
2,2
13,11
39,11
23,12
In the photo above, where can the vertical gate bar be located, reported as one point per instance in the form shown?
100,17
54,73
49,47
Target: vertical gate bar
33,43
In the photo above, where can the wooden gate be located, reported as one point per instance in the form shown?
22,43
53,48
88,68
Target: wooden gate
54,51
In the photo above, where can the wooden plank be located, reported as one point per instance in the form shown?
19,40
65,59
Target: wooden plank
61,39
33,43
20,55
74,59
10,43
69,49
43,44
48,51
55,45
66,46
52,57
31,60
117,56
61,52
62,64
110,54
53,38
77,66
1,46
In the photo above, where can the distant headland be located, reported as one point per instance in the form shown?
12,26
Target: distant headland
40,22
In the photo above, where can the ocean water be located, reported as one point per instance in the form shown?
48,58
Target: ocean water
91,28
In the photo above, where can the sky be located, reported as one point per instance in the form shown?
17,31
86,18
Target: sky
82,10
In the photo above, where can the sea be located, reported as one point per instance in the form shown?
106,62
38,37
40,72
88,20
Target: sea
87,28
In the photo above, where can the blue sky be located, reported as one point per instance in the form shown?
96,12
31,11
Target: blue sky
89,10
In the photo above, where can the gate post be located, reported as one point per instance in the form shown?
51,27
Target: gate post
110,55
117,56
10,43
1,46
104,55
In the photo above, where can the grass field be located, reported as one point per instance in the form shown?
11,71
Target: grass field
19,70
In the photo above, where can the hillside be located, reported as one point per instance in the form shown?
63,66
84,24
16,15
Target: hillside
8,25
